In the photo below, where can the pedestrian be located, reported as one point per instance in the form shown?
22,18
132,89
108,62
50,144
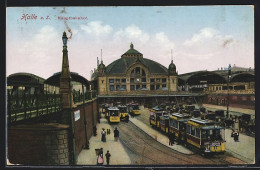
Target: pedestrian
116,134
100,157
173,138
108,155
179,138
127,118
103,135
107,132
236,136
232,133
170,139
95,130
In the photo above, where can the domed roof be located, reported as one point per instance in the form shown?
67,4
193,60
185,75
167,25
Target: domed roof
121,65
101,65
172,65
132,52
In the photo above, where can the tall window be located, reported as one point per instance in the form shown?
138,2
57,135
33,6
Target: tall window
111,87
132,87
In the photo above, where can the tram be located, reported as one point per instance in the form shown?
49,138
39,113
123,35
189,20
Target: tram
123,111
113,114
205,136
164,123
177,125
135,109
154,118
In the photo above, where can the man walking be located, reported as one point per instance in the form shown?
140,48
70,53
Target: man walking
108,155
116,134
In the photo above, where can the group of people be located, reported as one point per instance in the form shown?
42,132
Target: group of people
100,157
103,139
104,133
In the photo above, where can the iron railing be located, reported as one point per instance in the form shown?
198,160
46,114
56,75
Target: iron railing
78,95
25,106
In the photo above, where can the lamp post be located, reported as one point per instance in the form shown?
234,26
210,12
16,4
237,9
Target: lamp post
229,75
67,99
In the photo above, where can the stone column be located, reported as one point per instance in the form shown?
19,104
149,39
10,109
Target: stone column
67,99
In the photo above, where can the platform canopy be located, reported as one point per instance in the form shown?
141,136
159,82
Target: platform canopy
54,80
24,79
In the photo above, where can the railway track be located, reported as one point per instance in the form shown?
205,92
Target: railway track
144,150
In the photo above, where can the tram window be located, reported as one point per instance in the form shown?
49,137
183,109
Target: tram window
193,131
197,132
188,128
203,134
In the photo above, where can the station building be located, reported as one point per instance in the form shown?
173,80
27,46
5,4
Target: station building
132,74
134,77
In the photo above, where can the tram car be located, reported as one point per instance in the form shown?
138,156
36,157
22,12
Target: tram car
164,123
177,125
135,109
189,108
123,111
113,114
220,116
195,113
205,136
104,108
154,118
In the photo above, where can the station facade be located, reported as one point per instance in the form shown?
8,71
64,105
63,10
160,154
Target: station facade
133,74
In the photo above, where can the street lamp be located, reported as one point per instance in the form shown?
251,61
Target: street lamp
64,39
229,75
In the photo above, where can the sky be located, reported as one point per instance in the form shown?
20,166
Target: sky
200,37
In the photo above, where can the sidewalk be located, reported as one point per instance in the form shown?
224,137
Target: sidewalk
159,137
117,151
244,149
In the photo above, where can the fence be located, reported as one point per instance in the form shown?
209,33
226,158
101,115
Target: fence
23,106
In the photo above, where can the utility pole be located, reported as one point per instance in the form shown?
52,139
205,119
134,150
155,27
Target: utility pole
229,75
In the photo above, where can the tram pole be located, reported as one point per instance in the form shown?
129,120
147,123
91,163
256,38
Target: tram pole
229,73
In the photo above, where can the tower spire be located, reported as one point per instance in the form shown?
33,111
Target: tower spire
171,56
101,55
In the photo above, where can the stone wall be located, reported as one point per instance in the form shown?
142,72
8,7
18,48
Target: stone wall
38,144
79,126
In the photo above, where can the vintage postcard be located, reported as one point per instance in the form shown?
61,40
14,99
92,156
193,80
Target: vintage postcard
150,86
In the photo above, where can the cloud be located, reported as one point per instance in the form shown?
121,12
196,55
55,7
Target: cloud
132,32
39,55
209,36
96,28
